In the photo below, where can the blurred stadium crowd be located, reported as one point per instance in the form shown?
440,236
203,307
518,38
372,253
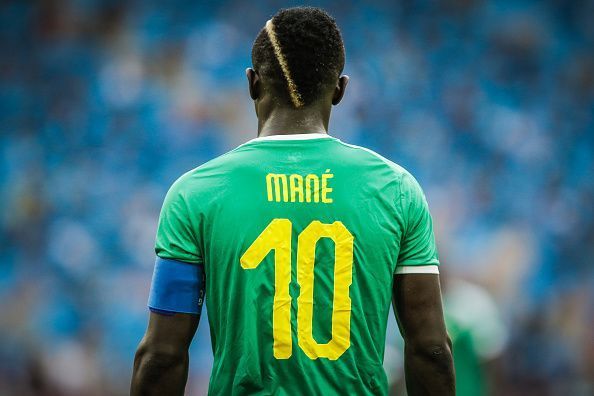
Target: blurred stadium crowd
103,104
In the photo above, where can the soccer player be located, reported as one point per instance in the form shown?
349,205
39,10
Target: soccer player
299,243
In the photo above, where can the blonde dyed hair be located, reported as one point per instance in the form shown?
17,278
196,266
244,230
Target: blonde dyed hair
293,91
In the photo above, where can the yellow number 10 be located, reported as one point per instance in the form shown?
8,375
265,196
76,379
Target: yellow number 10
277,236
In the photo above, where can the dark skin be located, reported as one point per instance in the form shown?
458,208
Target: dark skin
428,361
275,118
161,362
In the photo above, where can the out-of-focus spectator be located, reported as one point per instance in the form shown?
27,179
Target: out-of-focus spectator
478,335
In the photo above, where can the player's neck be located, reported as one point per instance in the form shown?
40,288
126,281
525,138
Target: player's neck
287,121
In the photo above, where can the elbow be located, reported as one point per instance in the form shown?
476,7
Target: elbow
429,366
158,367
154,357
437,350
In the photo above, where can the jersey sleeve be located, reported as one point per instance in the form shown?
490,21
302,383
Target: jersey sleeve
176,234
178,282
177,287
418,253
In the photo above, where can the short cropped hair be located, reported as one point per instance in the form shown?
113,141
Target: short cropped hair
301,52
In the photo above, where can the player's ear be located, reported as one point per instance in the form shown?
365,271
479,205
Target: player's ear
341,85
253,83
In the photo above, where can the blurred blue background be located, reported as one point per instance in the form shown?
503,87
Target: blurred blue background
103,104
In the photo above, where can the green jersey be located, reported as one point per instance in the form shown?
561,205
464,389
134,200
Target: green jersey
300,237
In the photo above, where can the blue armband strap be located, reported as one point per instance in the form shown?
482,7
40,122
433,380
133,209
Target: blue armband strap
177,287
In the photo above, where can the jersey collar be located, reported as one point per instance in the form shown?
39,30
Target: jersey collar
297,136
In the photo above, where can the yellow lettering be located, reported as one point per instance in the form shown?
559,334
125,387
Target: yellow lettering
309,179
325,189
282,187
343,277
276,236
278,179
296,185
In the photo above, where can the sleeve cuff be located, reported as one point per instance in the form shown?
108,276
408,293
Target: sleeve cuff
417,269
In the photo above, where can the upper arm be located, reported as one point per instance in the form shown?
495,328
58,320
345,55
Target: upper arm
170,334
179,276
418,306
416,290
177,290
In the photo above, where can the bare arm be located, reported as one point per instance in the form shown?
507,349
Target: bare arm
428,361
161,361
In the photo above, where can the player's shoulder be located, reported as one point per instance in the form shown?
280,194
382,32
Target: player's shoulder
210,171
395,172
371,157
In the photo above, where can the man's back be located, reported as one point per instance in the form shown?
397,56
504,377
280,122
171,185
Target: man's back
295,241
300,238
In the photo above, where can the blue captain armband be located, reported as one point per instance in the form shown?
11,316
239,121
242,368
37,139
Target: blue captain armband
177,287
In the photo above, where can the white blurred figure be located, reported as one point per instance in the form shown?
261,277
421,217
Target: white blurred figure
477,331
478,336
